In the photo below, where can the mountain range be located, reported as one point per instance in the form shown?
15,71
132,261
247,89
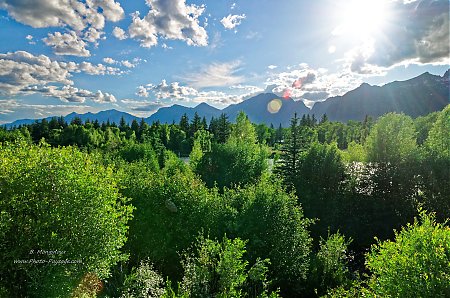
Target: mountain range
415,97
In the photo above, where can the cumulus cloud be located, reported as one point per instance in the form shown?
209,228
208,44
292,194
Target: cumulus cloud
174,90
142,92
124,63
70,93
119,33
101,97
216,75
23,72
303,82
85,19
177,92
92,35
67,44
109,60
22,69
172,19
74,14
231,21
98,69
418,34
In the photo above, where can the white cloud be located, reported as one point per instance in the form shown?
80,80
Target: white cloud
12,109
303,82
119,33
75,14
23,72
125,63
109,60
67,44
142,108
173,91
216,75
231,21
272,66
170,20
72,94
98,69
101,97
176,92
142,92
22,69
418,35
128,64
85,21
166,47
30,39
92,35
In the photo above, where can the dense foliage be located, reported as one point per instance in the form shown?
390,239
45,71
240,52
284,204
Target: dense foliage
62,217
308,210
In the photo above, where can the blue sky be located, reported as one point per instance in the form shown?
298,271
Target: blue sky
57,57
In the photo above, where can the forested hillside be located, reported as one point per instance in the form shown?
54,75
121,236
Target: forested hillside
319,209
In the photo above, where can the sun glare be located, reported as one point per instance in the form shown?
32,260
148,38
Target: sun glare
362,18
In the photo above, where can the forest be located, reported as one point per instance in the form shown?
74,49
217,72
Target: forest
221,208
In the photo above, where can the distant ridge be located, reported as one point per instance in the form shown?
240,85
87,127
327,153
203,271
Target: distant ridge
103,116
418,96
414,97
174,113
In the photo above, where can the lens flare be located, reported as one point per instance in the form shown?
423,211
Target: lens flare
274,105
287,93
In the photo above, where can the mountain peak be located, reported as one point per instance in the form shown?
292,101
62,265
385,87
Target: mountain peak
202,104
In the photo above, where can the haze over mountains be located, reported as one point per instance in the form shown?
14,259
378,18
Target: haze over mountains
415,97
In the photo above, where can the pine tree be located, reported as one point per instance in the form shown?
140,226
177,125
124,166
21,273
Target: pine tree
184,123
195,125
324,119
289,164
223,129
123,126
135,126
279,134
204,123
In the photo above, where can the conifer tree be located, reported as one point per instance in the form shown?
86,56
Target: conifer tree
184,123
288,165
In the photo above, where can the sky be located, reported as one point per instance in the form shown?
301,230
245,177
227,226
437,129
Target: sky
63,56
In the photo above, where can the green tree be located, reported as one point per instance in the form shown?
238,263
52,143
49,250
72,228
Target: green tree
298,141
239,161
392,139
172,207
435,166
218,269
184,124
196,125
329,266
223,129
202,145
57,200
321,171
275,227
438,141
415,264
143,282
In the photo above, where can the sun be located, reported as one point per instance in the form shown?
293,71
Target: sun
362,18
